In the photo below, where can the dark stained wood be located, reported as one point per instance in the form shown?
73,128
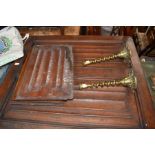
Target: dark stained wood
113,107
10,79
6,86
145,101
93,30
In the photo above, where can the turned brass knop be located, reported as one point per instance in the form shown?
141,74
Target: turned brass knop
124,54
129,81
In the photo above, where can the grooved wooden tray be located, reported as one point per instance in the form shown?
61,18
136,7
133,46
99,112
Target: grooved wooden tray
113,107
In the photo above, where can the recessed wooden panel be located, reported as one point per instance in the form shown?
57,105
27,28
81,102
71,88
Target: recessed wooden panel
47,74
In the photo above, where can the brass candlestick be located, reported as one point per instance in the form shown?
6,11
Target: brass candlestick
129,81
124,54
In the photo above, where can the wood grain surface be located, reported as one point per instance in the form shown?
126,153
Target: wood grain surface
47,75
112,107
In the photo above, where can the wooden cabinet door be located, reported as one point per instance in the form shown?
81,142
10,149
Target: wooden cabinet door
32,106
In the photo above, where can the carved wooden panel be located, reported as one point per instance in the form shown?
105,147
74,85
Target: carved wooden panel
46,75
